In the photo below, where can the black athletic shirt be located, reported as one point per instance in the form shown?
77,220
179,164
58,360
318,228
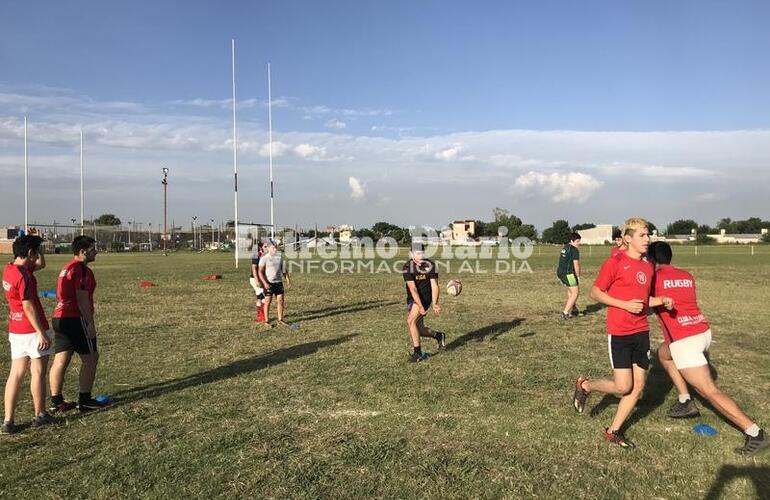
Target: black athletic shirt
421,275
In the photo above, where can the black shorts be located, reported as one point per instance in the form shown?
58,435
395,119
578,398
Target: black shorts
71,336
274,289
425,303
628,350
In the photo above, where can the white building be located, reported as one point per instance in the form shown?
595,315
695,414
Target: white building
599,235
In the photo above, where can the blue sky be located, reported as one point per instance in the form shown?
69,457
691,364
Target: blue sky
516,104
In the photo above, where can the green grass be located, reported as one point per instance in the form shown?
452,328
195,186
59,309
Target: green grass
209,405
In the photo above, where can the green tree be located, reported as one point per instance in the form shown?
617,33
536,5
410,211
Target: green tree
681,226
558,232
580,227
703,239
107,220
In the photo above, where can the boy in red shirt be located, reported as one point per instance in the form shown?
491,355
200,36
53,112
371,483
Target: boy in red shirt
75,329
27,331
623,285
620,245
686,338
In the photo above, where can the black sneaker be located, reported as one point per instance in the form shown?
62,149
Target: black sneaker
62,407
581,395
575,313
91,405
441,340
754,445
684,410
565,316
42,420
618,438
8,428
417,357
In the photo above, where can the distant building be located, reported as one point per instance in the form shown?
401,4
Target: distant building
7,235
346,233
599,235
723,237
463,231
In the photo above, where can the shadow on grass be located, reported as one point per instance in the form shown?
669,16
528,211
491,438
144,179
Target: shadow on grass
490,331
342,309
224,372
759,476
593,308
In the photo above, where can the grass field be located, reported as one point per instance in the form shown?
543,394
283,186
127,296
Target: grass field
209,405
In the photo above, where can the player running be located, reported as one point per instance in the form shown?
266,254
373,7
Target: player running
623,285
28,331
73,321
686,339
422,291
568,273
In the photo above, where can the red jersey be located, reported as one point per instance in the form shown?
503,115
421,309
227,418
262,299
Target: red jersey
616,250
685,319
625,278
20,284
74,276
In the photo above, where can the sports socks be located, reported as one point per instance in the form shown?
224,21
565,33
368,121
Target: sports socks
683,398
753,431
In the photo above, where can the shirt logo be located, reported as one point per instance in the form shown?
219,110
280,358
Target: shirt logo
6,286
63,273
625,268
678,284
641,277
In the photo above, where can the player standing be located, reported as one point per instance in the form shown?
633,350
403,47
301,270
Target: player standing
271,274
568,273
620,245
28,331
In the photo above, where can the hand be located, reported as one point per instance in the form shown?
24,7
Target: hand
43,342
437,308
634,306
668,302
422,310
288,284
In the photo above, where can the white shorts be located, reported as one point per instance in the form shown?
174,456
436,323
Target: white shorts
255,285
24,345
689,351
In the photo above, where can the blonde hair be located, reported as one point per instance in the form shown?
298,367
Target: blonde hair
632,224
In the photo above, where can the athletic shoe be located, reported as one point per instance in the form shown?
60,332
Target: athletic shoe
575,313
8,428
441,340
417,357
581,395
684,410
618,438
91,405
565,315
754,445
62,407
42,420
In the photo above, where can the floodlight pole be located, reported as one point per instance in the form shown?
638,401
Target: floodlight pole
82,193
165,209
235,157
149,234
270,146
194,218
26,189
212,234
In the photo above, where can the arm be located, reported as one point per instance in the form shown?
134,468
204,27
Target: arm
84,305
576,263
434,290
31,312
666,302
255,271
262,277
634,306
415,296
286,278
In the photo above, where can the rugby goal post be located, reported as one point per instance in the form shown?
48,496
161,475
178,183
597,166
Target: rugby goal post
249,235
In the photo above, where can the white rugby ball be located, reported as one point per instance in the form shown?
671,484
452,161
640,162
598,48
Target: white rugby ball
454,287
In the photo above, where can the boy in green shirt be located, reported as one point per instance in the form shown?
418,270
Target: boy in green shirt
569,273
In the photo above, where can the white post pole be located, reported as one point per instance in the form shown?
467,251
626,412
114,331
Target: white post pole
26,188
82,193
235,157
752,250
696,250
270,146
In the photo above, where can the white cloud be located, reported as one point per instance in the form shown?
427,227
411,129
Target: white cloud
357,190
658,171
310,152
560,187
336,124
279,149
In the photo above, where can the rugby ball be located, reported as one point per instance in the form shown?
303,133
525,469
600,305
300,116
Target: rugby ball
454,287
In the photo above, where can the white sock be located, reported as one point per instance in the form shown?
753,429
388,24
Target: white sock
683,398
752,431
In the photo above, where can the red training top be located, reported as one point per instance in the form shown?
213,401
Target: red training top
20,284
685,319
616,250
625,278
74,276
